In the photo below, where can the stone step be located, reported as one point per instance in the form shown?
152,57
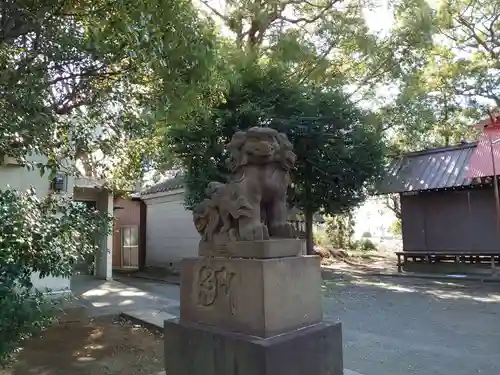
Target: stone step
151,318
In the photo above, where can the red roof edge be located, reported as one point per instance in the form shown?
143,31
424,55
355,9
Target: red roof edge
486,123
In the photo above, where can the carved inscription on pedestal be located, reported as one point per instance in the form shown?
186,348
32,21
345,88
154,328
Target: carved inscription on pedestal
214,286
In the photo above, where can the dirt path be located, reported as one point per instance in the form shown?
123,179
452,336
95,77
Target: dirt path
105,346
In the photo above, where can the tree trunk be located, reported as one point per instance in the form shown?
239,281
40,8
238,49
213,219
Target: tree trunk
309,214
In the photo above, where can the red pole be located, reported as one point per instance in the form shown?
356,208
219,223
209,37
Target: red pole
495,181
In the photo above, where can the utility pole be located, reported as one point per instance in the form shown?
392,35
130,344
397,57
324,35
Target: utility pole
495,181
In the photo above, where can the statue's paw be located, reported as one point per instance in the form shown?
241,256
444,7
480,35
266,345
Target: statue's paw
265,233
233,235
255,233
283,231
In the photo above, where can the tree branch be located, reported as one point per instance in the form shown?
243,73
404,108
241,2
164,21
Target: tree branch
95,72
16,21
392,203
214,11
477,38
325,9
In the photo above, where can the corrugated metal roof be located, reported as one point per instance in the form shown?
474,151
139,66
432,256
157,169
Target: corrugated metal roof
172,183
480,164
427,170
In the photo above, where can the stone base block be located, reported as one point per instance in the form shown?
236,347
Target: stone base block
193,349
258,297
254,249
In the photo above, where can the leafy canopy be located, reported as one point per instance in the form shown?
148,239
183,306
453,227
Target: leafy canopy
339,151
80,78
448,75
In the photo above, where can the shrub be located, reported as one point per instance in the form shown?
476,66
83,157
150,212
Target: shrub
48,236
366,245
340,230
366,235
396,227
321,239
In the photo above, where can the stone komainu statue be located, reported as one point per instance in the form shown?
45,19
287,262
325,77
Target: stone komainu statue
252,204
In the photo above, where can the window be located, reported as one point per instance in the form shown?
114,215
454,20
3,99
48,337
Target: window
59,183
130,247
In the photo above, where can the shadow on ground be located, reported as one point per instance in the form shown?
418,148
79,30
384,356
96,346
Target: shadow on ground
104,346
463,289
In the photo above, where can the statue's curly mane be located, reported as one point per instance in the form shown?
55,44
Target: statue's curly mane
285,156
238,157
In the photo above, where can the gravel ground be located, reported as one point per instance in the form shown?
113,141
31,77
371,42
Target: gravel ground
399,326
407,326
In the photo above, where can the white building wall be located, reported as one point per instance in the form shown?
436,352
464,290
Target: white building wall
104,260
20,178
170,232
89,190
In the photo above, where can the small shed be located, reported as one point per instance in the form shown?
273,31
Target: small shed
170,232
445,206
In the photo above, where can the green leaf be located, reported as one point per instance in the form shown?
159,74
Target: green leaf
49,236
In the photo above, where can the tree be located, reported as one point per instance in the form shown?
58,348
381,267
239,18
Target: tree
322,42
253,22
448,75
329,44
339,155
78,78
393,203
339,151
428,112
48,236
472,31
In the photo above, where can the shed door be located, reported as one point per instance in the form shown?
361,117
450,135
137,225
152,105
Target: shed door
446,219
130,247
413,223
483,224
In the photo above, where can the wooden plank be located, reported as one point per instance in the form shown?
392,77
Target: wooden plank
434,256
448,253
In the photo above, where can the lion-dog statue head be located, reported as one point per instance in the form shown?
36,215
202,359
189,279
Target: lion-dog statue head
259,146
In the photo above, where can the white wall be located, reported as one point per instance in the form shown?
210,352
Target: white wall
104,260
85,191
20,178
170,232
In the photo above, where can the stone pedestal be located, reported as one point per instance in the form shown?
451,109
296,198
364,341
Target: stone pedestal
259,297
193,349
257,315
